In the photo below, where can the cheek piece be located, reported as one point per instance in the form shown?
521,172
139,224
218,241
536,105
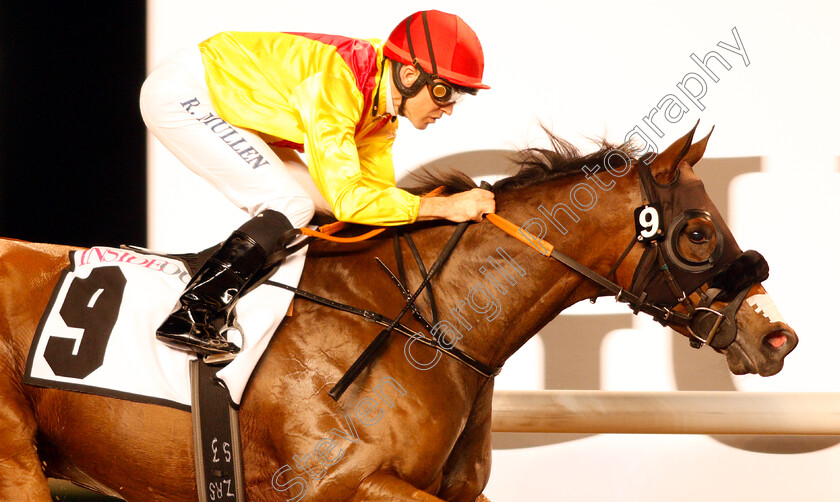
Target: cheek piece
407,91
718,328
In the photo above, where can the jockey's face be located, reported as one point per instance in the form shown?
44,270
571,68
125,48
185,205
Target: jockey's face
420,109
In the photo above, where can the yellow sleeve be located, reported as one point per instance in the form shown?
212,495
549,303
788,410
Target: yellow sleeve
358,185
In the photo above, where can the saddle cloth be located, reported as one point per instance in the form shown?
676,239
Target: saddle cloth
97,334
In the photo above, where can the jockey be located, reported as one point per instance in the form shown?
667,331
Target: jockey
238,108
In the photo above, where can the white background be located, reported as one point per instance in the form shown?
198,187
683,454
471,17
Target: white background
592,69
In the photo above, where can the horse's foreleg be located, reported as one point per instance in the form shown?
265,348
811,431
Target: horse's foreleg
383,486
21,477
467,469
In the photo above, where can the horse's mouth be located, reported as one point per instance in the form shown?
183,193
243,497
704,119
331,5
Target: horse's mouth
768,360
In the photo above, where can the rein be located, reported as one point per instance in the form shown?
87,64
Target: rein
636,303
705,325
326,233
375,317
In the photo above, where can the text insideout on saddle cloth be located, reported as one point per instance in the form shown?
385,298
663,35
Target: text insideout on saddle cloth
98,332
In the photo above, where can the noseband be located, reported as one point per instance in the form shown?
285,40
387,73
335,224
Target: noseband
717,328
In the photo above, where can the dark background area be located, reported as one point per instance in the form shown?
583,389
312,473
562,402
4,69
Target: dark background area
72,142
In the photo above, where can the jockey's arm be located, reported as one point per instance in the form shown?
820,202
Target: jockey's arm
375,156
357,180
464,206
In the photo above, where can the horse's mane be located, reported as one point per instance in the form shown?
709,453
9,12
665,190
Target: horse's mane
535,166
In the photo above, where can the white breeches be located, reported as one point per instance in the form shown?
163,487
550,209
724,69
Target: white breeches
176,107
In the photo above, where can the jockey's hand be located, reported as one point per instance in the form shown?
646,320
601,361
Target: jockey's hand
464,206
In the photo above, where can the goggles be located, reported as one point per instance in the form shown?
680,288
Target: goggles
443,94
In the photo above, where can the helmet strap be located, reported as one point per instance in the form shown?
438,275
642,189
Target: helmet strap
407,91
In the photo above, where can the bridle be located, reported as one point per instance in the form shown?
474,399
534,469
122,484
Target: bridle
664,278
728,272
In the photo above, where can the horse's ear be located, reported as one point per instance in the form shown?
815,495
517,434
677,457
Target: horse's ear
695,153
664,166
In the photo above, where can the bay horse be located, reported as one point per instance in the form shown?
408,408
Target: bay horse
413,426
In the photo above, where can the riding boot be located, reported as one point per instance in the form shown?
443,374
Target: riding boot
207,301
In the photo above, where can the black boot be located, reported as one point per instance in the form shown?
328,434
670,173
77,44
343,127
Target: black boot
209,297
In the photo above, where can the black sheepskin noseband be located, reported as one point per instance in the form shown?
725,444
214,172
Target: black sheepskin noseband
749,268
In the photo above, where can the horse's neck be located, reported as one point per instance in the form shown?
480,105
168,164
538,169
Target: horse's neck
507,291
494,292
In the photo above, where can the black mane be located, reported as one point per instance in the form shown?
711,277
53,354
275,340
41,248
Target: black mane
535,166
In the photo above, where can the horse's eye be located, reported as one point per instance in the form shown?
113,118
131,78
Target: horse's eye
697,236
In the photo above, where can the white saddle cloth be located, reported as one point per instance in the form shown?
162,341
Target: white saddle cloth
97,334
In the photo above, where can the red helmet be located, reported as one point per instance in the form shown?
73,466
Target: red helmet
441,44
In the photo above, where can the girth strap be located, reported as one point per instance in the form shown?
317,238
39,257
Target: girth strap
216,437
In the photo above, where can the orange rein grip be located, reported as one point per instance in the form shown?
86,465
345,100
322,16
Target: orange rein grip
539,245
434,193
331,228
332,238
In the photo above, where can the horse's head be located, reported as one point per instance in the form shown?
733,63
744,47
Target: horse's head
692,267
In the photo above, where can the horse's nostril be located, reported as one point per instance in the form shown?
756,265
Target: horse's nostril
776,339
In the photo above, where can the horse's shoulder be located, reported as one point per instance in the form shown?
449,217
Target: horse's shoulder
9,246
32,258
28,274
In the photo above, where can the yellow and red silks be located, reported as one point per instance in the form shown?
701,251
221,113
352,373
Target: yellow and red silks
315,93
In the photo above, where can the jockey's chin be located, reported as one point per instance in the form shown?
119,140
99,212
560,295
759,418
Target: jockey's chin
421,111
